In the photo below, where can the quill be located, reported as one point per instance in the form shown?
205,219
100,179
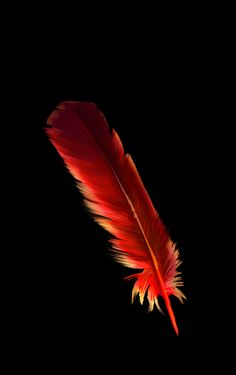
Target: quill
117,199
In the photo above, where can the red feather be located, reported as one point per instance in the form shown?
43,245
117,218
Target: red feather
115,195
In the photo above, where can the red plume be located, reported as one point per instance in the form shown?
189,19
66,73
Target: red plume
115,195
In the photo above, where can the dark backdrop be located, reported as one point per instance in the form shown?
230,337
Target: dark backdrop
158,97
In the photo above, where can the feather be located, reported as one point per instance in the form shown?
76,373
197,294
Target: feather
116,197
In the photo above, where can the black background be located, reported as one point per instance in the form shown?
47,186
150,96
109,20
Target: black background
160,93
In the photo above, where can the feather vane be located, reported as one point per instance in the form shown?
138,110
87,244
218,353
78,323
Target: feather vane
116,197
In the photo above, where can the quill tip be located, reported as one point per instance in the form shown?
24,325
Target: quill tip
176,330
